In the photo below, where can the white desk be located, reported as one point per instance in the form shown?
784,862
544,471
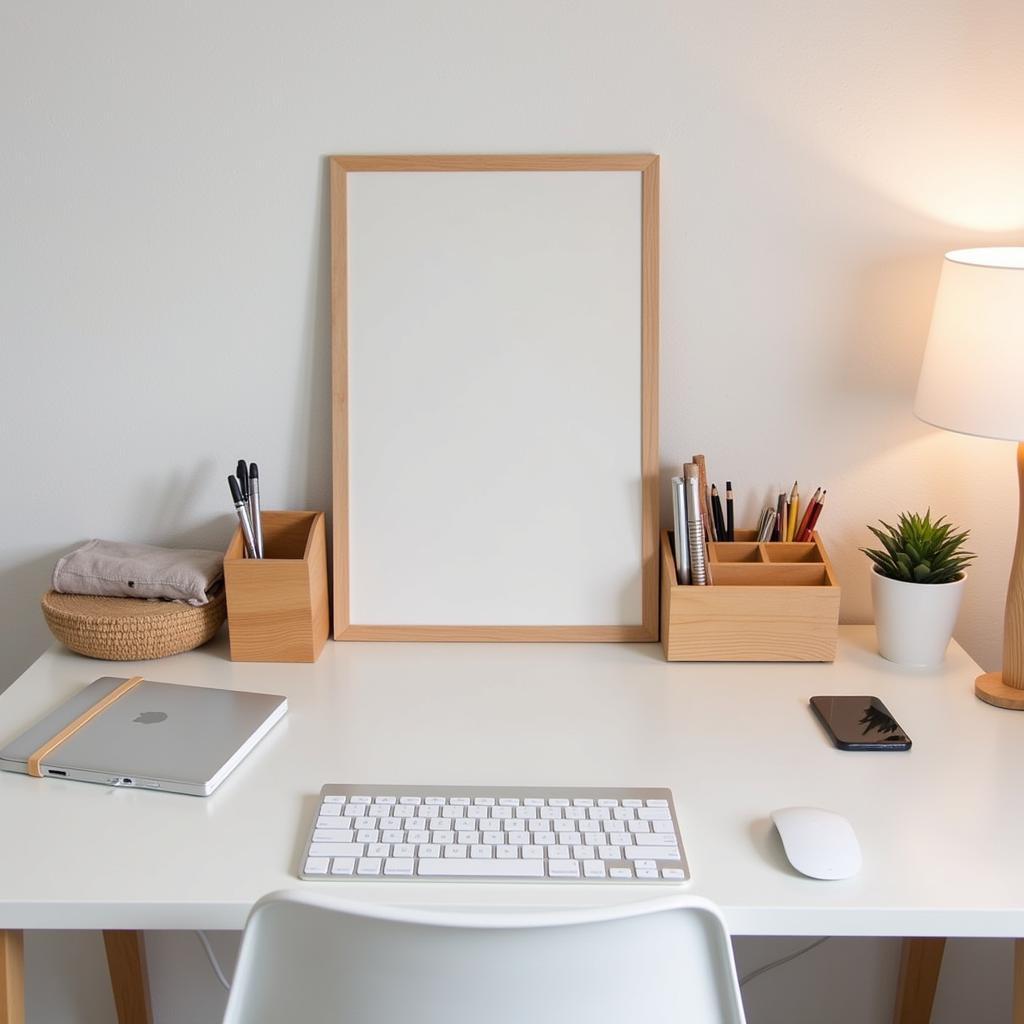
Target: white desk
939,827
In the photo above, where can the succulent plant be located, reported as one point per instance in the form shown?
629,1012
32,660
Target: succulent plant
919,550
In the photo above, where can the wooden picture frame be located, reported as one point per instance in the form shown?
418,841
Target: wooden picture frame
345,384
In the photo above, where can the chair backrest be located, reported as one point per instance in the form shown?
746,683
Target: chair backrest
311,956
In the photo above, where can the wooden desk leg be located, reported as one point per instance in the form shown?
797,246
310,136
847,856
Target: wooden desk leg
1018,981
12,978
126,961
920,963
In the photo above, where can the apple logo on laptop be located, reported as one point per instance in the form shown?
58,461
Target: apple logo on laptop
150,717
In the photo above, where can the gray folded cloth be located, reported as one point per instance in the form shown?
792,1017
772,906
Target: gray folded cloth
107,568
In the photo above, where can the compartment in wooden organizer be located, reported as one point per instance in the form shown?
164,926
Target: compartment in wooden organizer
770,601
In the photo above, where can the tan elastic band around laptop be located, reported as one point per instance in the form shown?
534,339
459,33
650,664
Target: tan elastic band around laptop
33,764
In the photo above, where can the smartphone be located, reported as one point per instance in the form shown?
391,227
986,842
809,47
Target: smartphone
860,723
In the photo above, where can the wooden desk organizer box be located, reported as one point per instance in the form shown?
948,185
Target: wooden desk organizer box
277,605
769,602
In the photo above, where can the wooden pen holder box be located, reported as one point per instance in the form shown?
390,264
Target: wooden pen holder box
277,605
770,601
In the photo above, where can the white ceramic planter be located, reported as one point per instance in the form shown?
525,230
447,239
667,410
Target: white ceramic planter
915,621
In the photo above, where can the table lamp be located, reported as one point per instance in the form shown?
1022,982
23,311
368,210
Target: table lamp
972,381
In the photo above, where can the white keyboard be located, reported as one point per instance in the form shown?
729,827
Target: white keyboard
495,834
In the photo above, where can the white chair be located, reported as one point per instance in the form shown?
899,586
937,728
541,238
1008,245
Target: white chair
311,956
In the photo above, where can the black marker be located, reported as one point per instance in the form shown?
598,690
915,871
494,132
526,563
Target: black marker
730,533
243,516
243,479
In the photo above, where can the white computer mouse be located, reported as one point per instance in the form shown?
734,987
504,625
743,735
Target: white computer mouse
818,843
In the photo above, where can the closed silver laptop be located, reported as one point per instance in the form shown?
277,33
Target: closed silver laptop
162,736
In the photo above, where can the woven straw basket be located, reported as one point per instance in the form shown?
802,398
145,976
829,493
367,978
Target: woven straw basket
128,629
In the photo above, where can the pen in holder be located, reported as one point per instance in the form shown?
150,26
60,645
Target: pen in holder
277,605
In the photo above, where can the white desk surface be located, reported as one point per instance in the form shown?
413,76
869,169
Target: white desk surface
941,826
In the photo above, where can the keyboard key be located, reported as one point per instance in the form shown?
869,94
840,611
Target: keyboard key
456,850
509,801
621,839
413,800
526,812
333,835
506,852
594,869
654,839
621,872
623,813
594,839
451,812
608,852
392,836
632,803
646,872
650,853
559,853
484,801
589,826
639,826
638,864
519,838
444,838
343,866
563,869
463,824
532,852
664,827
335,799
575,813
468,838
558,802
533,801
570,839
480,852
551,813
435,801
674,874
365,822
368,835
599,814
563,825
583,802
607,802
368,866
417,836
332,809
378,850
657,803
474,868
493,838
392,823
655,814
400,866
335,849
316,865
583,853
545,838
539,825
429,850
459,801
358,800
404,850
614,825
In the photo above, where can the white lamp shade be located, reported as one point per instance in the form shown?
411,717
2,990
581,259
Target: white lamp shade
972,377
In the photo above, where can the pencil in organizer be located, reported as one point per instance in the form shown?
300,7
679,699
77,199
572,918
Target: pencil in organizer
680,541
815,515
779,533
792,512
716,510
730,532
764,530
705,496
801,530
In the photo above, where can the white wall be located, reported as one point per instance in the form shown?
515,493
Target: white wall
163,295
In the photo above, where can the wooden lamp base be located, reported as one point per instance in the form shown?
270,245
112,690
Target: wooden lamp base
1006,689
992,690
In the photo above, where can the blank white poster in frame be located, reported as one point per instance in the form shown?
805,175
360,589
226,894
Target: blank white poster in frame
495,397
